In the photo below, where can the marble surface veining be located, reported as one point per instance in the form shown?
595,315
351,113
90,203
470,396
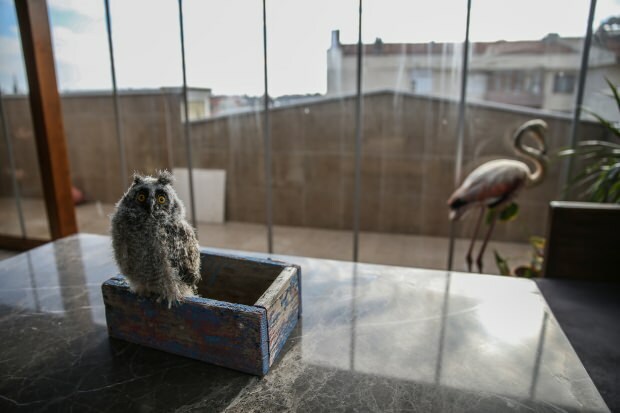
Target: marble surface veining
372,338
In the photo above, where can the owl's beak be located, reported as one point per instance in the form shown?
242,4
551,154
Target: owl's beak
150,205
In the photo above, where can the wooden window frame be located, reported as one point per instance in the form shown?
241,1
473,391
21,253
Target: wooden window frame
36,40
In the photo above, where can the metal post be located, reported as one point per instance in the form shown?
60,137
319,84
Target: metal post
9,148
188,141
267,139
358,142
460,127
117,113
567,172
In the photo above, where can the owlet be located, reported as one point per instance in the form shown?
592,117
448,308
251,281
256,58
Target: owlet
155,247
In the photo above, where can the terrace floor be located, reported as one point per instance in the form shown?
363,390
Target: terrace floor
379,248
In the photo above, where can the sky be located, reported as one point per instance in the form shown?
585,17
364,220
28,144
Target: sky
224,39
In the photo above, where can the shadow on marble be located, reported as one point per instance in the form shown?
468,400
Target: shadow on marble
55,364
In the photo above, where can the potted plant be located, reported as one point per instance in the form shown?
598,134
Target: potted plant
599,180
578,237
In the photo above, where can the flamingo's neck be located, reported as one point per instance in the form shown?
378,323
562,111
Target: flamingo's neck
535,155
540,171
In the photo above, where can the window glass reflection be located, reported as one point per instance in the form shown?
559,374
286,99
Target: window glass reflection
21,192
523,71
412,65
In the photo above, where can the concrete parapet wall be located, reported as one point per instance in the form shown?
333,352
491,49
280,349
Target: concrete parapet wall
408,161
150,123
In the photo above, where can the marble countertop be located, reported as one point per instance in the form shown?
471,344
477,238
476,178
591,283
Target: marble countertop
371,338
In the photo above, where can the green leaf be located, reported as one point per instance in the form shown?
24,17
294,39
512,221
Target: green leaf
566,152
599,161
614,193
607,124
524,271
614,90
586,177
593,143
614,173
599,194
537,242
502,264
490,216
509,213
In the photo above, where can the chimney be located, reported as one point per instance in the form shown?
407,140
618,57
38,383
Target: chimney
551,38
335,39
378,46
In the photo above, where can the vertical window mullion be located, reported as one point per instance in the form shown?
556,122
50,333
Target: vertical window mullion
9,148
358,142
117,114
460,128
567,171
186,126
267,141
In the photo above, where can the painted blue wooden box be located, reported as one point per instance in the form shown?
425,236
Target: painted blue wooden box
244,311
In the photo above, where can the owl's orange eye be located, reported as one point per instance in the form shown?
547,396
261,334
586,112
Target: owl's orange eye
141,198
161,199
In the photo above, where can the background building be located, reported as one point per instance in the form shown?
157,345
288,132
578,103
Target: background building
538,74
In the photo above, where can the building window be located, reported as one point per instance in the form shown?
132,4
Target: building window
421,81
564,82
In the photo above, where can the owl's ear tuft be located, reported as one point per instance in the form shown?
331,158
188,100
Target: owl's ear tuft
137,178
165,177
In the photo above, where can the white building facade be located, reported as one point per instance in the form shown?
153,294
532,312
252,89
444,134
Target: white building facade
541,74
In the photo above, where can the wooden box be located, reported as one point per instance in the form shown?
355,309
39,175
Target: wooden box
244,311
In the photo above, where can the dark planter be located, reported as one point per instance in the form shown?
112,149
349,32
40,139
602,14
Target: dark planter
583,241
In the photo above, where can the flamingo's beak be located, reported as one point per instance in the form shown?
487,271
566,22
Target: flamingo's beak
456,214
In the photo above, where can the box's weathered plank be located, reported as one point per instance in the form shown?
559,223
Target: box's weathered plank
283,305
245,310
230,335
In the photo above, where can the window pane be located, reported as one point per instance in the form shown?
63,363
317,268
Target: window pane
312,127
17,133
224,50
524,71
411,85
148,72
9,221
598,100
604,62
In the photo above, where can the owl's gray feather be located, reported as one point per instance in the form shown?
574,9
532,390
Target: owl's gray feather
155,247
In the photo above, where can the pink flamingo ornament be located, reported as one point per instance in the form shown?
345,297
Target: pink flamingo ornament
495,184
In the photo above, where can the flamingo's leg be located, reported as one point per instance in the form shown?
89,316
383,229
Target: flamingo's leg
473,240
484,244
